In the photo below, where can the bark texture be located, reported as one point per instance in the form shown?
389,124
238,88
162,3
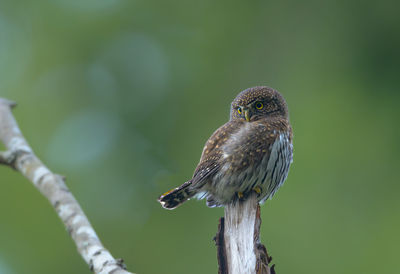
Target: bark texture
20,156
239,249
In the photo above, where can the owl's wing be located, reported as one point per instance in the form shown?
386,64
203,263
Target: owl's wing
212,153
206,169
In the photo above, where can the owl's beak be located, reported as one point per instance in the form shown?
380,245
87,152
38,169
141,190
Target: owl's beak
247,115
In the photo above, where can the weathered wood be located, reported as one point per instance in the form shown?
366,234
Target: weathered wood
239,249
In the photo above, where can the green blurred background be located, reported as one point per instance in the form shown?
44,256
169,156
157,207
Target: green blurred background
120,97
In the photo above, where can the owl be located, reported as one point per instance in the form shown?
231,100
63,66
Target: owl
251,153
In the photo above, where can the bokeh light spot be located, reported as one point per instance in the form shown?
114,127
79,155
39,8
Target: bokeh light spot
15,53
141,67
82,138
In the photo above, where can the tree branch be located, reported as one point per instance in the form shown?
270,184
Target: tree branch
20,156
239,249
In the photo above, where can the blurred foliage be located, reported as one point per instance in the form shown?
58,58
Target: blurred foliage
121,95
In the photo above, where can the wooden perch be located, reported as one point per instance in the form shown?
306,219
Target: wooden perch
239,250
20,156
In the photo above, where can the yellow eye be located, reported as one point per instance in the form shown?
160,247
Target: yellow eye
240,110
259,105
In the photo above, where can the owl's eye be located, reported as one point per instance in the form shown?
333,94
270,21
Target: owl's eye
239,110
259,105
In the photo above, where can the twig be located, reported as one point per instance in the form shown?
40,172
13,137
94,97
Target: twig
239,249
20,156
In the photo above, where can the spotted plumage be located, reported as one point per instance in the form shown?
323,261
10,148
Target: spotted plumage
252,152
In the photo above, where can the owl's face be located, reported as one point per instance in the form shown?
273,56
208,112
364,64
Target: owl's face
255,103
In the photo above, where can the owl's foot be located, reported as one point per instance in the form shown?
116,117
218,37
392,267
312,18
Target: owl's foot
257,189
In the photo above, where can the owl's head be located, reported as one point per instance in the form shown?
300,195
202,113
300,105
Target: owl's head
255,103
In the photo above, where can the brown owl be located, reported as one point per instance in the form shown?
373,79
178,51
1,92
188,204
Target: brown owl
252,152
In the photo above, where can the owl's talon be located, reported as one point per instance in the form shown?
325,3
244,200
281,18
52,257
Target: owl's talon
257,189
240,195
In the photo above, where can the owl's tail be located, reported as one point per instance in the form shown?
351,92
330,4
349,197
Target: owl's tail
177,196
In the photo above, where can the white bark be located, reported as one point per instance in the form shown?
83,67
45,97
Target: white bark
240,218
20,156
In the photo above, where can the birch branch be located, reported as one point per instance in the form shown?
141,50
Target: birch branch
239,249
20,156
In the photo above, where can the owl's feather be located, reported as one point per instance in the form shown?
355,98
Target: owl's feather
175,197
